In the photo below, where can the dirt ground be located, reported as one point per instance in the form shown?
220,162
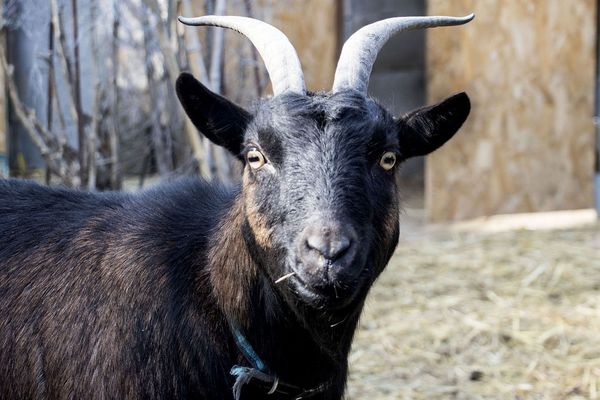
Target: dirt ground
512,315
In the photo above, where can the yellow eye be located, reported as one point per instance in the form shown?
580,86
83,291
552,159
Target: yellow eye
255,159
388,160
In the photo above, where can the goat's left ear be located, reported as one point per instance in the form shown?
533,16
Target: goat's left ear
422,131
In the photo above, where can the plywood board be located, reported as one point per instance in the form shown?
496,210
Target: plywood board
528,144
310,25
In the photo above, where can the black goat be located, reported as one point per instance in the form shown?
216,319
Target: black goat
189,288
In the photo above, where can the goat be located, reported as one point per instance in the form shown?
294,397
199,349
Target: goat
205,291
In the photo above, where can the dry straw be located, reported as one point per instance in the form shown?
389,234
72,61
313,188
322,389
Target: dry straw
504,316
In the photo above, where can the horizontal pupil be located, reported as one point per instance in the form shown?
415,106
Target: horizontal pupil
253,158
389,160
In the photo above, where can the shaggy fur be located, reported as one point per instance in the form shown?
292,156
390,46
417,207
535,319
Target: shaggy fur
130,296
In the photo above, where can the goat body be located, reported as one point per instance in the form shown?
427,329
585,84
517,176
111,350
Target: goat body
158,294
112,296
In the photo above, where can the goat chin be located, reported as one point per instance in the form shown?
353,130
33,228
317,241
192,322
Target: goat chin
326,294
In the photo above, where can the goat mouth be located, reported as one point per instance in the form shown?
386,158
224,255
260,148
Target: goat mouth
324,290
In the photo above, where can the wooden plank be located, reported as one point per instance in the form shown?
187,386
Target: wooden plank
312,27
528,144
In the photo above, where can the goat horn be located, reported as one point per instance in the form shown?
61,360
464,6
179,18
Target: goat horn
360,50
274,47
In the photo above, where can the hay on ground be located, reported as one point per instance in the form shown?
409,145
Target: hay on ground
506,316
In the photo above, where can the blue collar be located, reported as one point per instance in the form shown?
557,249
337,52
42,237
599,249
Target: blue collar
259,374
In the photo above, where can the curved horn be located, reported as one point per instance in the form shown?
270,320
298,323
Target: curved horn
274,47
360,50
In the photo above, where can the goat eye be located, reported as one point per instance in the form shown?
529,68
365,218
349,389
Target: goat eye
388,160
255,159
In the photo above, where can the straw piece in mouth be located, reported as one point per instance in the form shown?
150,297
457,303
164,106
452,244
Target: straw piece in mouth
284,277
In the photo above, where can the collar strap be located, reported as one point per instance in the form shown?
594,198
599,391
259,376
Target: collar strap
269,384
247,350
260,376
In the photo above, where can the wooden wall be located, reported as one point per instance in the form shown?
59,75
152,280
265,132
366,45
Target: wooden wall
312,27
528,144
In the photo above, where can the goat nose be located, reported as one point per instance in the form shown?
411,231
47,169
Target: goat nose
329,245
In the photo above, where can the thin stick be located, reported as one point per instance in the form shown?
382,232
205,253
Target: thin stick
284,277
50,93
216,59
173,70
115,173
63,58
65,167
76,83
257,81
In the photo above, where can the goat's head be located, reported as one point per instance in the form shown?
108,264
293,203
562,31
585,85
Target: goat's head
319,189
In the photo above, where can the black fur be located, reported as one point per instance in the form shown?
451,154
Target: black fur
129,296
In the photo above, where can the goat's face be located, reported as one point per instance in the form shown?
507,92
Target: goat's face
319,189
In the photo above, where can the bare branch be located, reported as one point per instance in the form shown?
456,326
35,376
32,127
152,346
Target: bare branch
49,102
258,82
216,60
216,76
163,40
63,59
162,152
174,71
50,74
92,135
115,176
76,84
60,157
194,48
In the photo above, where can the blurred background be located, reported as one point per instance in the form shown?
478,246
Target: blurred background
89,98
494,291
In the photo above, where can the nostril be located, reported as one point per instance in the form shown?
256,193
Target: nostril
329,247
316,242
340,247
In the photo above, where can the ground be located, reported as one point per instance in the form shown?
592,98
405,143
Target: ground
512,315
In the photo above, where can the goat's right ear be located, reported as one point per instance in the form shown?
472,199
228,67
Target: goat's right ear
217,118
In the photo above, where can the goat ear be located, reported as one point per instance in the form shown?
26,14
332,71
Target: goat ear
217,118
426,129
